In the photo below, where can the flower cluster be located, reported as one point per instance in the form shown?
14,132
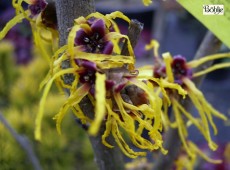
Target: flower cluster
123,100
176,69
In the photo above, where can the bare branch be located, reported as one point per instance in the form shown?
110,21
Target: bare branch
134,33
24,142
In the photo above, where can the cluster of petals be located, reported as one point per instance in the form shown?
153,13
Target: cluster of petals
176,69
124,101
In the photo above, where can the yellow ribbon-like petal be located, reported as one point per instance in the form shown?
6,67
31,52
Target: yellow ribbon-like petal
39,116
153,45
74,99
100,97
196,63
201,153
18,18
118,14
168,60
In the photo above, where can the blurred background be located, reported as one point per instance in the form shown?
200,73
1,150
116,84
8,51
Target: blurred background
22,69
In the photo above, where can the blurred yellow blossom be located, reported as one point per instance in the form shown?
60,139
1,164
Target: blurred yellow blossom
147,2
139,164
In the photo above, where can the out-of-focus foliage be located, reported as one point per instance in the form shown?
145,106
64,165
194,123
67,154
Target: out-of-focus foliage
7,71
19,89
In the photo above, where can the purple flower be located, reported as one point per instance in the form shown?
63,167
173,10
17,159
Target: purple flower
88,71
116,80
37,6
179,69
94,40
160,72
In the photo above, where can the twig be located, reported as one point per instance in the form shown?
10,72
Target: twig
209,45
134,33
24,143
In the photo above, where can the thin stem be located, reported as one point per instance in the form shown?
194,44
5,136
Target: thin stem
24,142
134,33
209,45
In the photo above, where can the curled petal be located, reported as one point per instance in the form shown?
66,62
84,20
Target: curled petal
196,63
43,100
123,145
105,61
79,39
89,65
108,47
153,45
205,157
120,86
37,7
73,100
80,20
109,84
100,104
118,14
18,18
212,68
99,27
168,60
108,124
99,15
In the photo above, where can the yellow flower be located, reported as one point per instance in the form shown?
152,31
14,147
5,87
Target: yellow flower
188,162
177,69
184,162
108,79
147,2
137,164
